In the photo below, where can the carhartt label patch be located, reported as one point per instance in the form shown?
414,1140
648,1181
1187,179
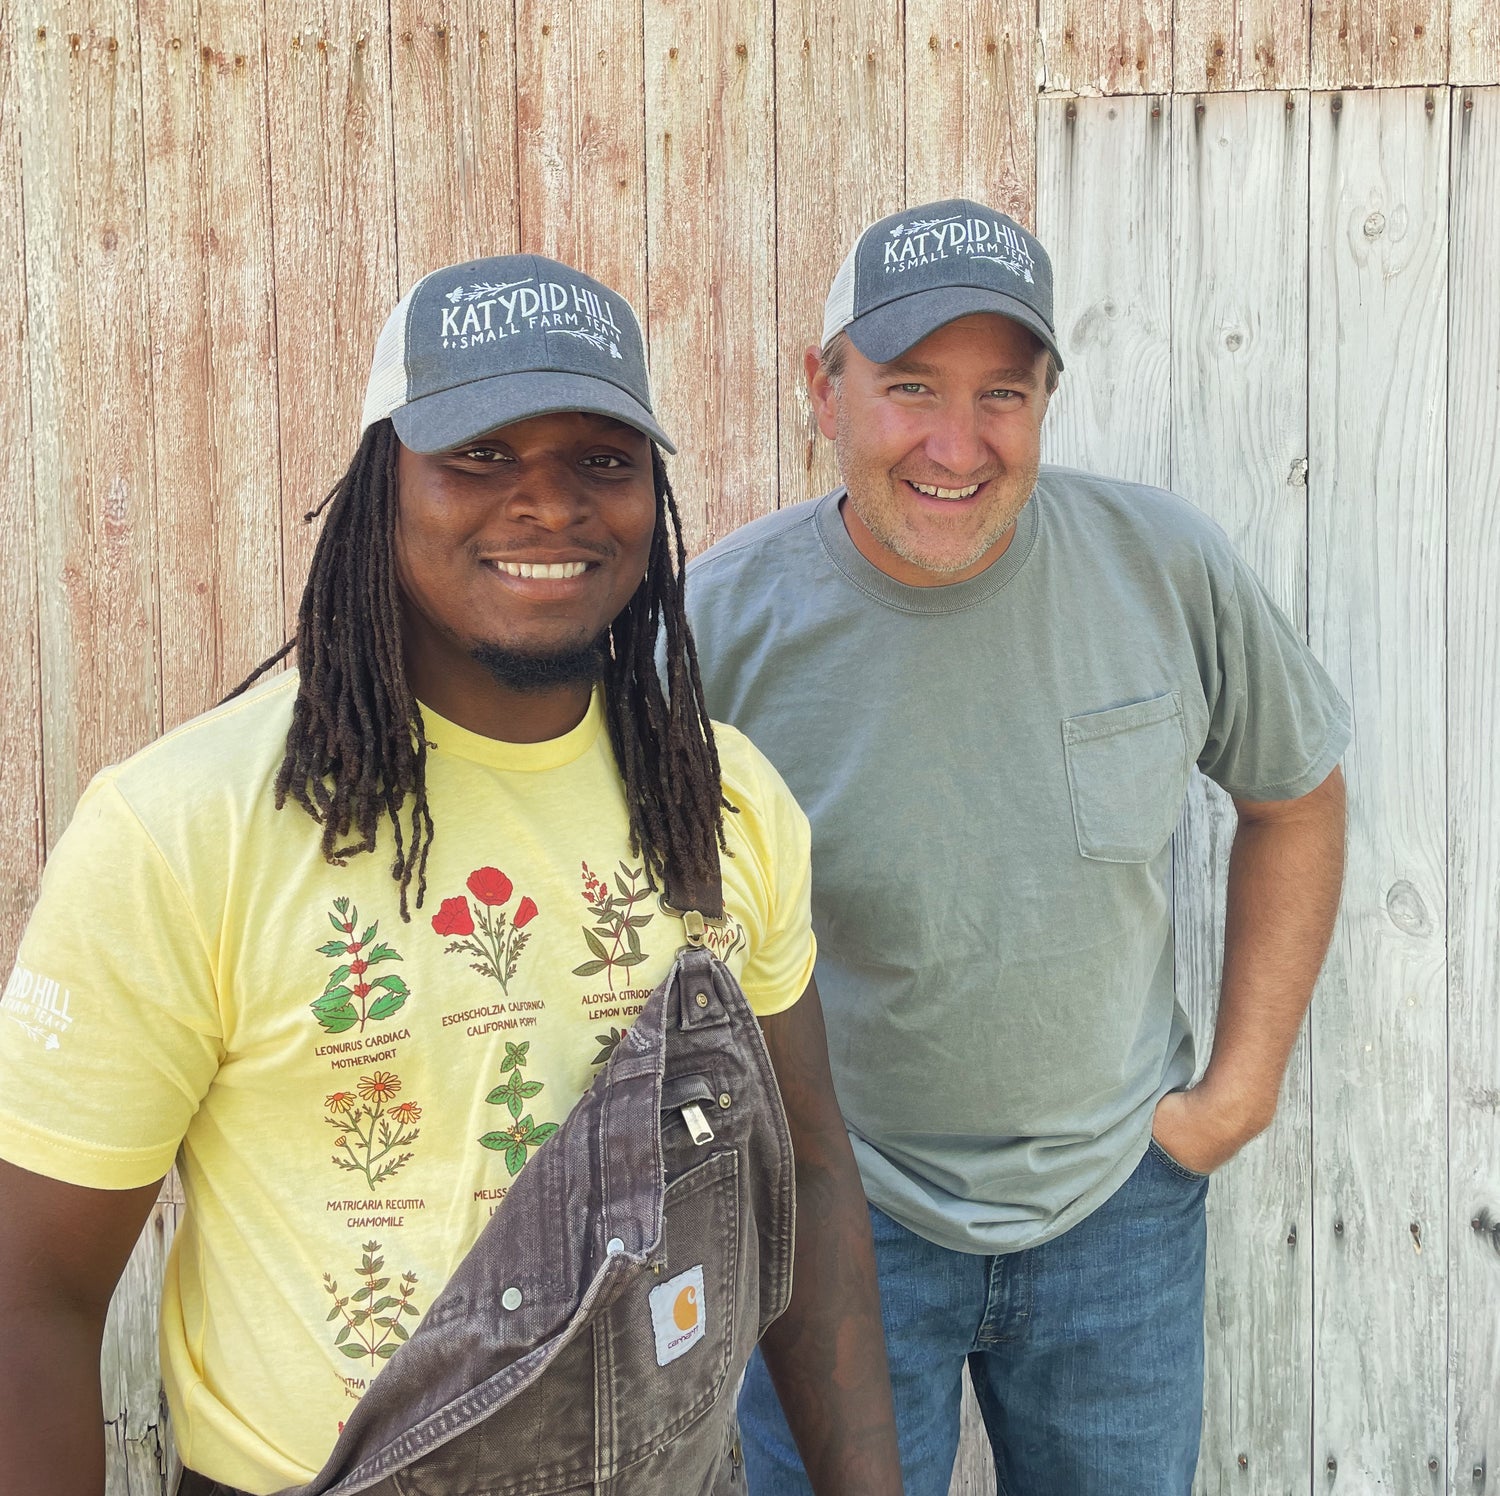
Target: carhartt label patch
677,1312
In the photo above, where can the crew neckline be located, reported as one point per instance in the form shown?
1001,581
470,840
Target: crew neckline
952,598
552,753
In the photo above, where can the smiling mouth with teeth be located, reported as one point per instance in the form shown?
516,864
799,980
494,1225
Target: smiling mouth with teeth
933,492
557,571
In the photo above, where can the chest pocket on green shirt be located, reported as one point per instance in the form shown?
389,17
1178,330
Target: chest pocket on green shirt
1127,773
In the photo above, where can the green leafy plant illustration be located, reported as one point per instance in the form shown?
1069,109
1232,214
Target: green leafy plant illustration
513,1093
607,1044
351,997
614,921
372,1126
372,1327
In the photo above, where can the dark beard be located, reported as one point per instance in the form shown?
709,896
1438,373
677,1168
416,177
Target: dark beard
530,673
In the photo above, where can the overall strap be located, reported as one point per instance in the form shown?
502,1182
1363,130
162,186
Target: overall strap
690,898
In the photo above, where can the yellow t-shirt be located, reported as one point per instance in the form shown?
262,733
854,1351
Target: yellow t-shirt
347,1097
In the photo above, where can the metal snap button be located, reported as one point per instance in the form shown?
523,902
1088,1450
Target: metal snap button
614,1246
701,999
511,1298
724,1100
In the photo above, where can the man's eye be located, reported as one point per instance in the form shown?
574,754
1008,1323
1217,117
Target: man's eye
483,454
604,460
909,387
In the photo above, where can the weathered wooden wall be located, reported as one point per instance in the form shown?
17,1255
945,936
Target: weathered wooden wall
1275,224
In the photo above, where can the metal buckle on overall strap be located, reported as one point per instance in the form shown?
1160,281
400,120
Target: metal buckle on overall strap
695,923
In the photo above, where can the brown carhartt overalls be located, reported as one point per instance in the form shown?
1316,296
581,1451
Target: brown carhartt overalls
592,1339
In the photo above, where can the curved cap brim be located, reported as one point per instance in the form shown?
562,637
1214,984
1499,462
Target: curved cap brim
886,332
453,416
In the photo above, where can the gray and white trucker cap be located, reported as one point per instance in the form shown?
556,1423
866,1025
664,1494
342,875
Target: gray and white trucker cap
480,345
915,271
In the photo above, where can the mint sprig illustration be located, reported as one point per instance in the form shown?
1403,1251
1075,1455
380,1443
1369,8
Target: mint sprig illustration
370,1133
371,1317
513,1093
351,997
607,1043
615,922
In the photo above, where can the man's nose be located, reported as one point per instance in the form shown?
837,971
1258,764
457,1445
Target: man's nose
955,441
548,499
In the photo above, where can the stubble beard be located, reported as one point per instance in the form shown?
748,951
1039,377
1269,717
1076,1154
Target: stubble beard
875,498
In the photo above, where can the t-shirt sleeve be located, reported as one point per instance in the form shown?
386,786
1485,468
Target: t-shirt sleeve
109,1024
1277,724
769,831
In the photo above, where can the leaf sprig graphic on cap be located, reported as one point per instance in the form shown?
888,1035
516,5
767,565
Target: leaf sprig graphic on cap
483,288
918,224
596,338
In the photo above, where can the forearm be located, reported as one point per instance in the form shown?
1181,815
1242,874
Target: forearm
1285,874
826,1354
51,1420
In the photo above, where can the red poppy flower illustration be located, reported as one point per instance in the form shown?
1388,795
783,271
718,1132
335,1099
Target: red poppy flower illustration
486,930
454,917
490,886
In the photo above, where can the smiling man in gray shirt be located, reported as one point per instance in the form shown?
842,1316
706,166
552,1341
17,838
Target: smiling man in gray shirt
988,683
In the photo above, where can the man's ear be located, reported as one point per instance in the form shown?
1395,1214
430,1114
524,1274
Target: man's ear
822,391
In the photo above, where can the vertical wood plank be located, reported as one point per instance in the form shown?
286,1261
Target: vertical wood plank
1378,313
1107,46
1233,44
139,1457
709,155
328,86
1473,42
1474,789
453,105
1104,177
20,682
971,103
580,128
840,165
974,1468
1239,444
1356,44
90,390
213,360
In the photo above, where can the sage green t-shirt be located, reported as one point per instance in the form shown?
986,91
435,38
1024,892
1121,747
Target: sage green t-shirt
993,771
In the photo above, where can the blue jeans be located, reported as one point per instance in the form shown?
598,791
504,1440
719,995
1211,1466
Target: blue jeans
1086,1352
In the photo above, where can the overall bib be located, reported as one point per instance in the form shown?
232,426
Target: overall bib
592,1339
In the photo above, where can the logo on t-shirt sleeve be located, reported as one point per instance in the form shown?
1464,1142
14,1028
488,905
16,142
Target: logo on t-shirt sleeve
37,1005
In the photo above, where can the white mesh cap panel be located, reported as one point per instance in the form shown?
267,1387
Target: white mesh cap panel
838,310
386,390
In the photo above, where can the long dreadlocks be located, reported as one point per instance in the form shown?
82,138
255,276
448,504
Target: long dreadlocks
356,749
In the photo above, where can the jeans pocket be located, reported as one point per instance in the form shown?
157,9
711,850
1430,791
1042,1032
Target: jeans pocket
1168,1162
1127,773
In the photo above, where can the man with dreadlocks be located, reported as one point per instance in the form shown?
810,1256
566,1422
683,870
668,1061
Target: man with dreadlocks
349,948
